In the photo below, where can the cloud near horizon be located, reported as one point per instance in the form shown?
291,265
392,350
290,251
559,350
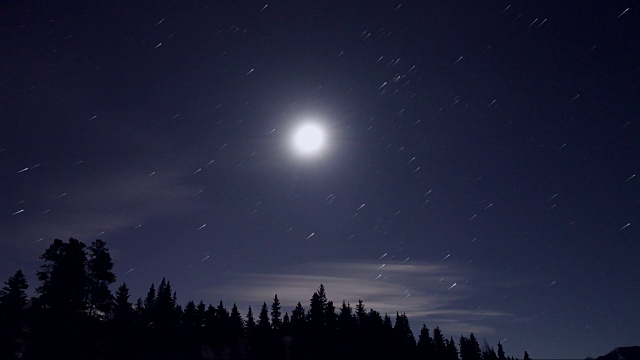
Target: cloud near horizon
107,205
424,292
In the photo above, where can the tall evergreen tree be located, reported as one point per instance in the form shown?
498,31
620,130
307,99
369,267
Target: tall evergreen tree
286,324
298,318
121,333
361,314
250,323
317,308
62,329
13,296
236,324
147,312
526,356
64,278
13,300
346,321
426,348
190,332
330,317
452,351
276,321
166,309
489,353
403,336
501,355
440,348
99,277
123,309
474,348
263,325
465,353
263,342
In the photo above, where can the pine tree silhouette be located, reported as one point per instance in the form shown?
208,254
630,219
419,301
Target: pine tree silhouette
71,320
276,321
13,300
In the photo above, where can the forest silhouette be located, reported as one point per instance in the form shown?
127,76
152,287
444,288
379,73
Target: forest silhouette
76,316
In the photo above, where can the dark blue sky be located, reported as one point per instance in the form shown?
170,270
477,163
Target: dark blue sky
482,170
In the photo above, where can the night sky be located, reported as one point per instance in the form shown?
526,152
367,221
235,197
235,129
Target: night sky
481,170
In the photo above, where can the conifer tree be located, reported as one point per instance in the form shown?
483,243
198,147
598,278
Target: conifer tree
346,321
439,346
236,324
121,325
426,348
403,331
361,314
330,317
123,309
189,319
298,318
251,323
474,348
501,355
263,326
452,351
262,344
276,321
64,278
13,300
147,312
404,339
99,277
318,305
61,329
286,324
489,353
190,332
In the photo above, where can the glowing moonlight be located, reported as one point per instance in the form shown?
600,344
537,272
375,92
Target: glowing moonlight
308,139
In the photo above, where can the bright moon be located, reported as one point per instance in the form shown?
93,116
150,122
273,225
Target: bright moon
308,139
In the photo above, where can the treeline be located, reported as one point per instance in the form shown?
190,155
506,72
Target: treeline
76,316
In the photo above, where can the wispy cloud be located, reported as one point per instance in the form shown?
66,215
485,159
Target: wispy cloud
423,291
109,204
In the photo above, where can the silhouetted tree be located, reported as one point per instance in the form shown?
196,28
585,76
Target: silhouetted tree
262,346
64,278
99,277
236,324
298,319
403,336
526,356
426,349
123,309
501,355
276,321
147,311
452,351
190,332
13,300
361,314
71,320
263,320
474,348
318,305
489,353
250,323
61,329
121,325
439,346
222,323
286,324
346,321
